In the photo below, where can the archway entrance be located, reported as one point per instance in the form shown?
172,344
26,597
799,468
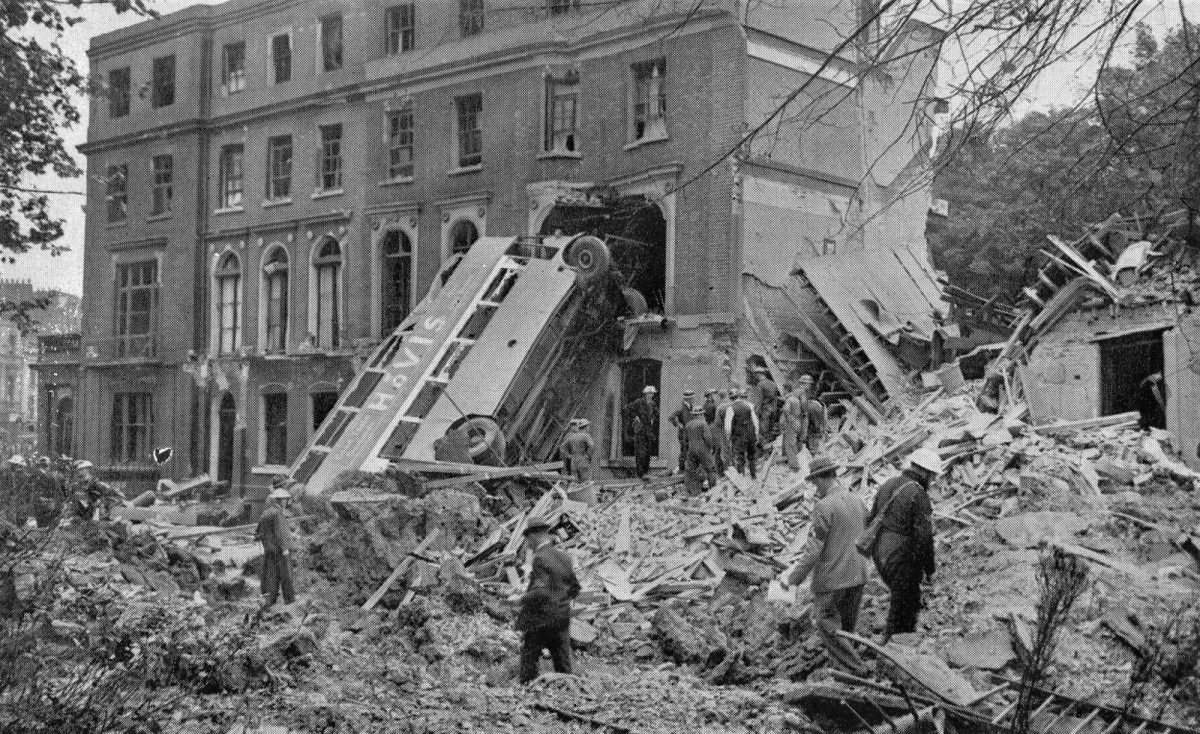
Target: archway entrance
226,418
636,233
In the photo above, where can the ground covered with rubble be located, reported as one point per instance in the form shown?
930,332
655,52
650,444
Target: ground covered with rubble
149,623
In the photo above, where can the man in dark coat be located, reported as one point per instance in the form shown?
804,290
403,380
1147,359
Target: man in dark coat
710,405
724,452
1152,402
904,553
768,404
577,449
793,426
277,543
700,464
679,419
641,420
545,616
741,424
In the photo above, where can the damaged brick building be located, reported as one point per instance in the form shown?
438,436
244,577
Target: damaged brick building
275,185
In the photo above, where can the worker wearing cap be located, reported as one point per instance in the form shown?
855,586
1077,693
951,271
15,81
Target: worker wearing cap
577,450
768,404
838,570
700,464
277,544
679,419
904,552
724,453
94,498
544,619
792,425
641,422
741,423
710,406
814,415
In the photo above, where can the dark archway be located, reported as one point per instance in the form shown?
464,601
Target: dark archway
637,234
226,419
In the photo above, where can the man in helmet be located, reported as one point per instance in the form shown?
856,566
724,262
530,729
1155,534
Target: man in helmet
94,498
700,447
679,419
577,450
904,551
768,404
641,422
277,543
814,415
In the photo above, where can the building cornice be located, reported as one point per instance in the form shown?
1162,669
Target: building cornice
670,170
395,207
145,243
169,130
248,231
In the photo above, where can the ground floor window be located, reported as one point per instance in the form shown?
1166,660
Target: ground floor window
132,427
322,403
275,427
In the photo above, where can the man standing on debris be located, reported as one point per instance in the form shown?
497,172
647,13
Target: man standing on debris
741,424
577,450
641,420
814,415
838,570
768,403
1152,402
700,447
724,452
710,405
276,539
679,419
793,424
545,616
904,550
94,498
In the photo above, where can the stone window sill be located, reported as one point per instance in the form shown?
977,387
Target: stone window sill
268,203
117,225
326,193
159,217
230,210
465,169
269,469
396,181
646,141
554,154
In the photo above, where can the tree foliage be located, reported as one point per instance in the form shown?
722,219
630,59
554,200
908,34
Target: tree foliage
1133,149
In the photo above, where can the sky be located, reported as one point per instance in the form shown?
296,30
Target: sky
1062,85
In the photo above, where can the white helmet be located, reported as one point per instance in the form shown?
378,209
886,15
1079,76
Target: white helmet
926,459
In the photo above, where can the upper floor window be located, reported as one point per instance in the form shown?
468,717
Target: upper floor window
470,132
230,174
462,235
275,300
163,82
233,67
562,100
279,163
331,42
401,28
164,184
116,194
118,92
470,17
331,157
229,288
281,57
561,7
400,143
328,264
397,279
649,100
136,307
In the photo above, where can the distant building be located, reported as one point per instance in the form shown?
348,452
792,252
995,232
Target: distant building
274,186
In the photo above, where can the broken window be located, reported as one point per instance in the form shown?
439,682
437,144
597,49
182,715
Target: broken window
275,426
118,92
233,73
649,100
328,264
229,286
322,404
116,192
562,99
397,279
331,42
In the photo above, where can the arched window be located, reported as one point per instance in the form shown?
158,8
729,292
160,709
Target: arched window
328,264
229,313
462,235
275,299
397,279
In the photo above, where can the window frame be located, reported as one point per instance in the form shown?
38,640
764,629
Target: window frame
162,89
164,190
275,144
132,427
472,17
126,290
112,194
327,270
388,263
274,57
326,63
230,77
225,178
462,116
272,443
125,95
557,88
275,269
228,277
395,132
641,77
400,37
325,157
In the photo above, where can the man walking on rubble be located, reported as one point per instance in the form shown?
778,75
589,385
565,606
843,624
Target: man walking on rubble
724,451
741,423
768,404
838,570
814,415
577,450
904,551
1152,402
277,544
700,447
679,419
544,619
793,423
641,420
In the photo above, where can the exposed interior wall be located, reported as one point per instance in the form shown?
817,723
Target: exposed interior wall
1062,381
786,218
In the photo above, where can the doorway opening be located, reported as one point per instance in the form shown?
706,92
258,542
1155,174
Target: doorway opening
226,418
1125,363
635,376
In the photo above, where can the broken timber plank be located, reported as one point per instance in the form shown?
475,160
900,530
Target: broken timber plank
482,474
1113,563
1107,421
430,539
